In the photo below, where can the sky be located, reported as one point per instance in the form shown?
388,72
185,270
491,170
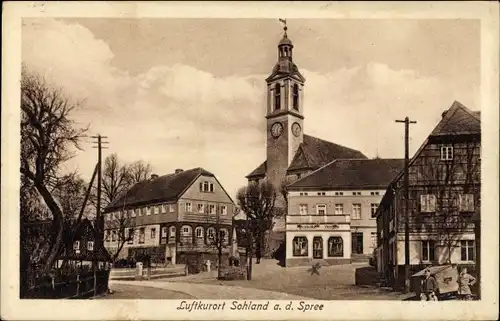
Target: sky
185,93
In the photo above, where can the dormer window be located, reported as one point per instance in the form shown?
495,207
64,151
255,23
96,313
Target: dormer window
295,92
277,97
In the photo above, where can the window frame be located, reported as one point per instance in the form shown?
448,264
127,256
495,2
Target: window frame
447,152
301,206
199,228
357,217
142,235
339,206
330,252
130,237
304,244
211,232
468,245
318,209
277,96
188,207
428,247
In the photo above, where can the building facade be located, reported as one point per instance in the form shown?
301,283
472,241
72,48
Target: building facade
171,217
444,200
290,154
330,211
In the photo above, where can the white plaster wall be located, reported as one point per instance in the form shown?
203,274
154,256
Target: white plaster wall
440,251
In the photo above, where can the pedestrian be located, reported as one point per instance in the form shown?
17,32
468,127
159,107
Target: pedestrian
429,287
465,281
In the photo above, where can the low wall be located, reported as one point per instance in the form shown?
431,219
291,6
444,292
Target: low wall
153,273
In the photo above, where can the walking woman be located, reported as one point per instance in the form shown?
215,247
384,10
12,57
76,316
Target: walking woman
465,281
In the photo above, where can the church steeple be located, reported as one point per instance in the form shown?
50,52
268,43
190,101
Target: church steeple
285,46
285,117
284,66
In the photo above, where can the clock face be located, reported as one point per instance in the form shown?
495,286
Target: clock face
276,129
296,129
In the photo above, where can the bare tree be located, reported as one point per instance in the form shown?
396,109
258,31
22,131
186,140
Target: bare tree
47,136
120,223
218,240
455,182
70,194
257,200
138,172
116,180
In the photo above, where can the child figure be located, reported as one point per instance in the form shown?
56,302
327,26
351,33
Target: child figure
465,281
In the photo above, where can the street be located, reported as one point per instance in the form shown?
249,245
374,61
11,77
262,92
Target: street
269,281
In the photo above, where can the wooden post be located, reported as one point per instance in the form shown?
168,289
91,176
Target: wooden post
77,284
407,123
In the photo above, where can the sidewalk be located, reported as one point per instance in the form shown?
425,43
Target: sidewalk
213,292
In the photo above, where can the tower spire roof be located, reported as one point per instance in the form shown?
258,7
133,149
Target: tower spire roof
285,40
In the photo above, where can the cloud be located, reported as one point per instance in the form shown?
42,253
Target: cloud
177,116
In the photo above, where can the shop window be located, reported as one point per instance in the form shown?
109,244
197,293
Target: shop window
335,246
300,246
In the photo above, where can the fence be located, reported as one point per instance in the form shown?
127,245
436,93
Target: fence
77,286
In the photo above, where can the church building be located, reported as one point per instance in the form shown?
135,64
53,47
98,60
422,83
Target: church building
291,154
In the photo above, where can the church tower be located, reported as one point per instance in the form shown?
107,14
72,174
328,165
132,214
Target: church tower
285,120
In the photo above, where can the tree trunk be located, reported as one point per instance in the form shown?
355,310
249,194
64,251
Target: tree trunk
58,223
220,263
249,258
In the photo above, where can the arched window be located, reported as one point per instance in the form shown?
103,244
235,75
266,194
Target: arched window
295,92
335,246
300,246
186,230
277,97
171,235
224,234
199,232
210,234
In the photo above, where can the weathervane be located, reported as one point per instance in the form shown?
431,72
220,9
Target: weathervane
283,21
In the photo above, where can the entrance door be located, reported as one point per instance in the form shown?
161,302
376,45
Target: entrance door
357,242
317,247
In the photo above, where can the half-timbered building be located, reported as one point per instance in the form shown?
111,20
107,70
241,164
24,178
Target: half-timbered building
444,199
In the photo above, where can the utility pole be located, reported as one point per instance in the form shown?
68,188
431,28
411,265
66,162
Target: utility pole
407,123
99,233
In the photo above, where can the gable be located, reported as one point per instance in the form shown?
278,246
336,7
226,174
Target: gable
219,194
458,119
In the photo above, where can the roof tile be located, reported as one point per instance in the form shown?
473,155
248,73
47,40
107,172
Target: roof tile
352,173
162,189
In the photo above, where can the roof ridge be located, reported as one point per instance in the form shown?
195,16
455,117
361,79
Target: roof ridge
313,172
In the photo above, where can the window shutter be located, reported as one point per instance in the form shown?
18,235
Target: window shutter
423,203
201,186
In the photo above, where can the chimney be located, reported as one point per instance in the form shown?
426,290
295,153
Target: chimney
178,170
444,113
154,176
